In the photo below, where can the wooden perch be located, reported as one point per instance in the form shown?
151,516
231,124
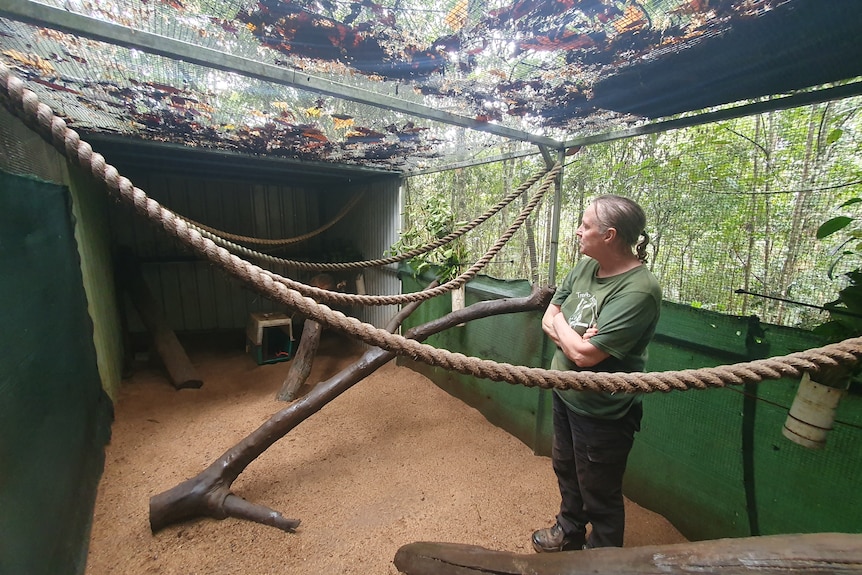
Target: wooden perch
300,367
819,553
208,494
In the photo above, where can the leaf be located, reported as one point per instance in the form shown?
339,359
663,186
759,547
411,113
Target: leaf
855,276
340,123
457,16
831,330
314,134
831,226
631,21
850,202
31,60
834,135
851,296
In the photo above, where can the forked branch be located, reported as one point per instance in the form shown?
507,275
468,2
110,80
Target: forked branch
208,494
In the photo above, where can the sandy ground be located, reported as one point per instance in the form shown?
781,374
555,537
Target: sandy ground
391,461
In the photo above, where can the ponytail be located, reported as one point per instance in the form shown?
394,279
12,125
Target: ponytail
641,247
627,217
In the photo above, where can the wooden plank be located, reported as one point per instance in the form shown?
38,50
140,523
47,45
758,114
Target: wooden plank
180,369
819,553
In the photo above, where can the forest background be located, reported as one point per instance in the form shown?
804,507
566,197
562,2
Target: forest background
732,207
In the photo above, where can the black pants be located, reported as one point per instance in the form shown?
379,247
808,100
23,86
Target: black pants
589,457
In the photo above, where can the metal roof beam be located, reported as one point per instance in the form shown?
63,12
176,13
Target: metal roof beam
784,103
471,163
169,155
47,16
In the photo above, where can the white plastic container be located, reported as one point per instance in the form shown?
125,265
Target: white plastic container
812,414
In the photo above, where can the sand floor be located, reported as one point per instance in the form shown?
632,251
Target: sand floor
391,461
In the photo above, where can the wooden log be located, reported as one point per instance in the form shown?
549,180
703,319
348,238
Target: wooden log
818,553
181,371
300,367
208,494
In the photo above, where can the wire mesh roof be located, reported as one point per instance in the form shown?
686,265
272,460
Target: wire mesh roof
407,85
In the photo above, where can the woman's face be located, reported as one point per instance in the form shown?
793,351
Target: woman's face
591,236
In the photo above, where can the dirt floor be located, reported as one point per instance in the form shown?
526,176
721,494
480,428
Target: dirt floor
391,461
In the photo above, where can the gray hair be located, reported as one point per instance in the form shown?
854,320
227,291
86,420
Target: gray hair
627,218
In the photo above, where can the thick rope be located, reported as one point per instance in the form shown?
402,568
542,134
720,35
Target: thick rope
222,240
424,295
53,129
286,241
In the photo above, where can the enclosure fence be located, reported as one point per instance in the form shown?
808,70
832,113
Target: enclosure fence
733,209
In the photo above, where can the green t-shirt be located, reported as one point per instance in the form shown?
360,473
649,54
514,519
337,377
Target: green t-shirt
625,308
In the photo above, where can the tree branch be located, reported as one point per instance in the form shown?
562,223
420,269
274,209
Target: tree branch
208,494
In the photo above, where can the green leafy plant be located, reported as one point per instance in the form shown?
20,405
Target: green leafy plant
845,312
433,220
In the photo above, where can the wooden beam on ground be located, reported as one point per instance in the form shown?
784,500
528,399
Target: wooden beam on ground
208,494
818,553
181,371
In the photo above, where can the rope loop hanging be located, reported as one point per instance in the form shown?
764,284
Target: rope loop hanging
424,295
223,240
285,241
40,117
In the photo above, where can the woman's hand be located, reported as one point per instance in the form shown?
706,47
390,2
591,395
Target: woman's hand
577,347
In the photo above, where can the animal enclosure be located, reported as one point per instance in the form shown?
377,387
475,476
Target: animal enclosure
175,131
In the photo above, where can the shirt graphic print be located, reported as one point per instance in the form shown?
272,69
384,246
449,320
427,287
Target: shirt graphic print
585,314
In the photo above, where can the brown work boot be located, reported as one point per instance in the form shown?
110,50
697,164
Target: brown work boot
554,539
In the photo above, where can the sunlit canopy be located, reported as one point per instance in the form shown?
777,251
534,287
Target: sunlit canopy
396,84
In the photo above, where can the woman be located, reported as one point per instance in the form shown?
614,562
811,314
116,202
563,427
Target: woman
601,318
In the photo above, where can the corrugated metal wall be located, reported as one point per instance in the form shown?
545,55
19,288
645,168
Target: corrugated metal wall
374,227
197,296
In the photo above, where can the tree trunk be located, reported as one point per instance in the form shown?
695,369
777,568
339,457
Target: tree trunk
300,367
796,237
208,494
820,553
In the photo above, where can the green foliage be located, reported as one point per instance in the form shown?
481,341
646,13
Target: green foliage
730,206
834,225
432,220
846,311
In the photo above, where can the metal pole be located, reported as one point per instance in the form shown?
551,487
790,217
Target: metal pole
555,222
